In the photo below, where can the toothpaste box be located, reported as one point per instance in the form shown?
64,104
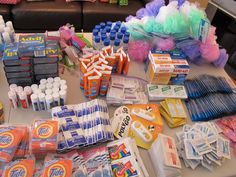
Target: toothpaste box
160,67
32,45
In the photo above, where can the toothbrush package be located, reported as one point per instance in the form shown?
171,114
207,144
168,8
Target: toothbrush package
143,122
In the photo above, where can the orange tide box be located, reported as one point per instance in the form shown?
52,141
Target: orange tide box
10,137
160,67
17,168
44,135
58,168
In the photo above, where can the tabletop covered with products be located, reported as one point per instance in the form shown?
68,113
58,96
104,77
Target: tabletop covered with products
135,98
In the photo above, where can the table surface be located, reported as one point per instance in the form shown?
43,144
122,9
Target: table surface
75,96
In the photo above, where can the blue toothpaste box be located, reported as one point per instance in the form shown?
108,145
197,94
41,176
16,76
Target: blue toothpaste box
32,45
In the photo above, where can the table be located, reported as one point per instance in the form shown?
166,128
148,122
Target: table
26,117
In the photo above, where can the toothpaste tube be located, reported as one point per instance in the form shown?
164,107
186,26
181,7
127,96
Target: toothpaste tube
126,64
83,70
120,64
111,60
117,56
94,85
86,75
106,75
24,168
57,168
44,136
10,137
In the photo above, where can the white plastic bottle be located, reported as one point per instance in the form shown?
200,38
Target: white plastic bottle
50,80
34,87
42,87
28,92
43,81
23,100
13,87
49,101
13,99
42,101
35,102
56,99
62,94
48,91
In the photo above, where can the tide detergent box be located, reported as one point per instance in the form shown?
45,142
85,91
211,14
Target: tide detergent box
32,45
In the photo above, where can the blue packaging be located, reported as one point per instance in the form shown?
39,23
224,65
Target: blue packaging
32,45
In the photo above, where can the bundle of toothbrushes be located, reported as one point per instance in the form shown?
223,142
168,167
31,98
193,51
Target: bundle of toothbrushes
206,84
142,122
228,127
201,145
126,90
209,98
96,70
124,153
14,142
174,112
81,125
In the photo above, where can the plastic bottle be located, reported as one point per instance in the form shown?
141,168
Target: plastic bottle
103,32
123,30
64,87
56,85
112,38
62,94
108,29
50,80
56,79
125,43
55,90
113,32
42,87
10,25
42,101
48,91
97,43
49,86
116,45
43,81
95,33
62,82
13,87
118,24
37,91
35,102
106,42
28,92
109,23
49,101
120,35
103,37
13,99
56,99
98,27
102,24
127,34
23,100
116,28
34,87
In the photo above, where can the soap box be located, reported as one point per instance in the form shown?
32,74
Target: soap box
46,68
32,45
160,67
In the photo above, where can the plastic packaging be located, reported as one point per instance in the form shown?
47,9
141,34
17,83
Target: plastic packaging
23,100
35,102
42,101
56,99
49,101
13,99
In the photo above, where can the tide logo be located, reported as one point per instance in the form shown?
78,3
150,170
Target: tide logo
56,170
6,139
44,131
17,171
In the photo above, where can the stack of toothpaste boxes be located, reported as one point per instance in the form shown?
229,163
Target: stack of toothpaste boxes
167,67
30,59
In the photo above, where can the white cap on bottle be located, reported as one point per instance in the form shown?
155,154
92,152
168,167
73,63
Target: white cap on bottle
57,79
6,37
42,87
28,90
34,87
50,80
13,87
12,95
37,91
10,25
62,94
49,98
34,97
48,85
22,95
64,87
43,81
19,89
55,90
48,91
56,85
62,82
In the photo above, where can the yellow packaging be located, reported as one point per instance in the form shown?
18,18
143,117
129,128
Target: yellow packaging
173,111
142,122
160,68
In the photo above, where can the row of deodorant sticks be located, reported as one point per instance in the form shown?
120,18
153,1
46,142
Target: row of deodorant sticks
7,32
49,93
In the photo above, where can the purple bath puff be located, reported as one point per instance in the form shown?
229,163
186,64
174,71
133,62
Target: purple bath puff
222,60
192,51
138,50
166,44
154,7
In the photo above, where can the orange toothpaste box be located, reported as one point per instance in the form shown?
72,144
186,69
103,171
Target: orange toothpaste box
58,168
20,168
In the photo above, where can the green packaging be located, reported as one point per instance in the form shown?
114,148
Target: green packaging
123,2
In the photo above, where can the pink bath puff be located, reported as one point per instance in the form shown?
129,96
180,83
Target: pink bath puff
165,44
138,50
210,49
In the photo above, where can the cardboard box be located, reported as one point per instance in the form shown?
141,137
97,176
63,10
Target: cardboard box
202,3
